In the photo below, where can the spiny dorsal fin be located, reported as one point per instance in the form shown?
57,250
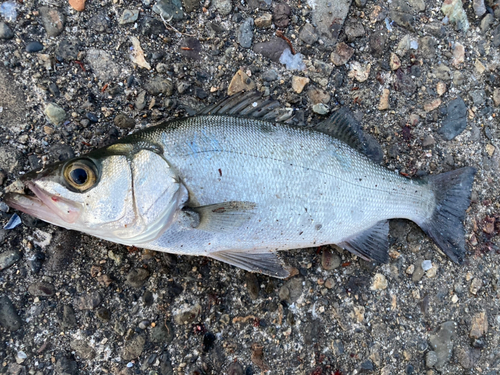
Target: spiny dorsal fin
245,104
262,262
342,125
372,244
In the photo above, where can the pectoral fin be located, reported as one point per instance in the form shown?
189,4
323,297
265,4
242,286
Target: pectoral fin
224,216
266,262
372,244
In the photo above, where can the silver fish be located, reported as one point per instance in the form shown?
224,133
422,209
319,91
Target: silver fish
236,185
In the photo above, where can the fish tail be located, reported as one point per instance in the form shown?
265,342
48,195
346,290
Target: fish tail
452,191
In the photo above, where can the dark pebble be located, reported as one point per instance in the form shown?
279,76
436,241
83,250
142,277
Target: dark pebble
41,289
8,315
5,31
130,81
409,369
270,75
235,369
162,333
66,366
377,42
8,258
272,49
67,317
60,152
456,121
33,47
147,298
208,341
252,285
281,14
35,261
54,90
367,366
67,50
190,48
88,301
200,93
103,314
93,118
137,277
404,83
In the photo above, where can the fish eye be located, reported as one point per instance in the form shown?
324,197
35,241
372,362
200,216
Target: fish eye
81,174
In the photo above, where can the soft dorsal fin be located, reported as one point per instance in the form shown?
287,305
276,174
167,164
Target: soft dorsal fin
342,125
372,244
265,262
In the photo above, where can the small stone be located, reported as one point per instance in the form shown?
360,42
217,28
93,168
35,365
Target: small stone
341,54
496,97
133,348
158,85
169,9
140,101
318,96
329,283
456,14
354,30
245,33
320,109
308,34
478,97
5,31
137,277
123,121
88,301
456,120
223,6
33,47
330,260
8,258
252,285
53,20
410,269
78,5
82,349
367,366
272,49
128,16
490,149
480,68
281,14
359,72
103,314
440,88
8,315
41,289
431,106
458,55
405,44
384,100
442,72
479,7
137,54
68,318
240,82
291,290
426,265
432,271
441,342
379,282
475,285
235,368
394,62
102,65
264,21
430,359
190,48
428,46
162,333
486,22
377,42
298,83
187,316
55,114
479,325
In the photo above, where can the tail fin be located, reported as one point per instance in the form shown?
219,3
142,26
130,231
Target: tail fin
452,191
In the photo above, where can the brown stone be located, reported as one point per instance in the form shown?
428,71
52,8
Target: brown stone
78,5
384,100
342,54
240,82
479,325
298,83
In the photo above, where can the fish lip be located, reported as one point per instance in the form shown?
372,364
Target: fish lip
43,205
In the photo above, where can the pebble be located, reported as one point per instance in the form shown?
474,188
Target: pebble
270,75
384,100
458,55
367,366
430,359
478,97
137,54
291,290
187,316
78,5
318,96
486,22
490,149
235,368
479,7
442,72
432,105
308,34
479,325
272,49
394,62
379,282
321,109
66,366
281,14
88,301
426,265
55,114
53,20
377,42
298,83
330,260
359,72
133,348
5,31
128,16
441,342
354,30
103,65
245,33
159,85
252,285
41,289
92,117
68,318
194,48
223,6
8,258
103,314
328,17
264,21
456,120
100,23
82,349
441,88
456,14
428,47
162,333
33,47
475,285
137,277
8,315
467,357
169,9
240,82
341,54
140,101
122,121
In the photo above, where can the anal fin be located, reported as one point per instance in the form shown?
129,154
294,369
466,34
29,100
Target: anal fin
266,262
372,244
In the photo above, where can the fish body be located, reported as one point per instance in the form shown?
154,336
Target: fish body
238,189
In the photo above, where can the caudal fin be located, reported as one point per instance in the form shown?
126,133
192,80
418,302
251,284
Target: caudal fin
452,191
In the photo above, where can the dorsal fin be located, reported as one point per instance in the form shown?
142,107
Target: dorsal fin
342,125
246,104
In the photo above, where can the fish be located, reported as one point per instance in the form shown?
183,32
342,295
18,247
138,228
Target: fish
238,183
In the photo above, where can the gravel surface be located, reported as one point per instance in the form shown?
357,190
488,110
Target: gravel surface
424,84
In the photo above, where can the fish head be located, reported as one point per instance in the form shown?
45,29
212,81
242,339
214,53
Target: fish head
121,193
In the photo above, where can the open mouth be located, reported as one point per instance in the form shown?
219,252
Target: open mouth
45,206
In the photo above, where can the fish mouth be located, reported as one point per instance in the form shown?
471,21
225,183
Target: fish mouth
45,206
